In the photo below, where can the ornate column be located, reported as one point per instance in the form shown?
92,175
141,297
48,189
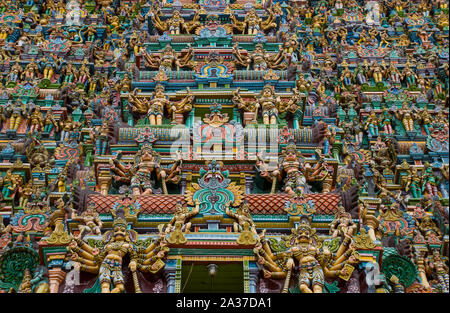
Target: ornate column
56,277
172,273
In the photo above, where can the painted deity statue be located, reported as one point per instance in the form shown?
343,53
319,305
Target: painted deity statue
305,256
269,104
91,222
414,183
141,175
372,124
342,224
181,217
436,264
175,24
154,108
253,24
406,115
108,261
298,172
36,120
242,217
17,111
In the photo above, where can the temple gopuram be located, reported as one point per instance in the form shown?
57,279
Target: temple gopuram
224,146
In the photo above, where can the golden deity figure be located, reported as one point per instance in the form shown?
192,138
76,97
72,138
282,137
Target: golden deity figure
253,24
181,218
406,115
303,85
83,73
175,24
298,172
154,108
306,254
25,193
31,71
409,75
169,59
50,122
108,262
243,218
269,103
36,120
260,59
342,224
428,228
15,71
143,173
91,221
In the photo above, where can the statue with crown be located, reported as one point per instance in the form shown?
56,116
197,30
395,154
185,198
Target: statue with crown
307,258
108,260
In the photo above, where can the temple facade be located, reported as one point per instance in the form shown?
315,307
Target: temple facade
218,146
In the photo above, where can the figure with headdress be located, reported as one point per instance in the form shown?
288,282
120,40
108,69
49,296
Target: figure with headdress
307,256
342,224
141,175
242,217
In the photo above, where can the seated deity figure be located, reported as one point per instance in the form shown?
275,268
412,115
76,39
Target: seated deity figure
91,221
242,217
342,224
304,256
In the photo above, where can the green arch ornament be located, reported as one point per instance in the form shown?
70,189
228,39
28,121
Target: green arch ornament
401,267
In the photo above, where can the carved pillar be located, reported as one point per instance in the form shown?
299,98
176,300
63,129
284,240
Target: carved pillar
56,277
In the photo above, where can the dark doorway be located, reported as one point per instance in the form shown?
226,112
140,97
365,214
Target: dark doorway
229,278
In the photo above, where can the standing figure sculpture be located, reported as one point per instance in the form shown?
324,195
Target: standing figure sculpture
406,115
141,175
304,255
154,108
91,222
